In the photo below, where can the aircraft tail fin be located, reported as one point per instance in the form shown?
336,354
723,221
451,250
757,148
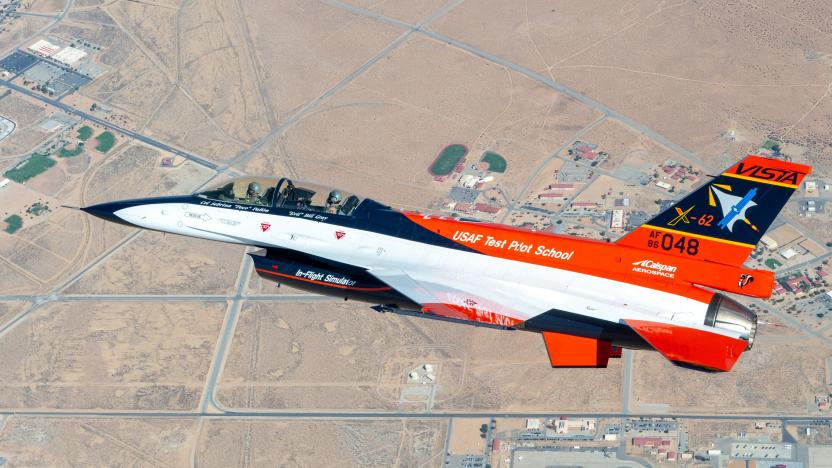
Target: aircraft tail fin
723,220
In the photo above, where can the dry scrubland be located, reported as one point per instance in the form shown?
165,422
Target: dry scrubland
288,356
27,115
45,441
164,264
751,387
118,355
319,93
342,443
49,249
50,441
350,136
755,68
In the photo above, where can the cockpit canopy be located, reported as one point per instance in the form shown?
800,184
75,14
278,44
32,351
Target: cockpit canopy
283,193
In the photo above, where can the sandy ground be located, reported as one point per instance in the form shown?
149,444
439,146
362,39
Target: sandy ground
97,441
110,355
348,356
316,92
465,436
343,443
168,265
750,387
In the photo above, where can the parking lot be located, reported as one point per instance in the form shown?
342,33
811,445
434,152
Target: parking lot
764,451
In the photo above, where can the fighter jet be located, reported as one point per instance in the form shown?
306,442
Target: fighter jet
659,287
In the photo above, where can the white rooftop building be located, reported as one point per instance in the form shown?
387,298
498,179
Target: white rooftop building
70,56
788,253
532,424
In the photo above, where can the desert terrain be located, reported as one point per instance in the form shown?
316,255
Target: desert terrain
130,347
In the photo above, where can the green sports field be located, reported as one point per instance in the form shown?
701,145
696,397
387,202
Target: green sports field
33,166
84,133
496,163
105,140
448,159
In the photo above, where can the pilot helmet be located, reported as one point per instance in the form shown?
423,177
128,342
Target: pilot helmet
334,197
253,188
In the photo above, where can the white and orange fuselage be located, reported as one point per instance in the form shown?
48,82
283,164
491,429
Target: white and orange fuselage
588,298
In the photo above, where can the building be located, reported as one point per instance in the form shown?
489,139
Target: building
663,185
650,441
551,195
69,56
584,204
617,219
770,243
486,208
532,424
561,186
788,253
798,283
44,48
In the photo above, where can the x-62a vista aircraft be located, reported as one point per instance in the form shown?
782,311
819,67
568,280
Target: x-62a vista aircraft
651,289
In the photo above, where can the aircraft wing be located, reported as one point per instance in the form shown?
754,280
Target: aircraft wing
475,299
494,302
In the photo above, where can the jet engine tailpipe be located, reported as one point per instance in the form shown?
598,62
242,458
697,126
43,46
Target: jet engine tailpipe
726,313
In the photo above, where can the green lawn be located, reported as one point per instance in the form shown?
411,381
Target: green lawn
84,133
772,263
105,140
14,222
496,163
33,166
448,159
68,153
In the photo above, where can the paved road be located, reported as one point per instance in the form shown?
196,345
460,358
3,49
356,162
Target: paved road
185,298
228,327
40,15
786,419
626,380
137,136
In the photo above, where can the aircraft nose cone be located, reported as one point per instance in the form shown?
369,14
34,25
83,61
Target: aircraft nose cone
107,211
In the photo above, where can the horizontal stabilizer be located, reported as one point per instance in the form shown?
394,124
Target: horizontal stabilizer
691,346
